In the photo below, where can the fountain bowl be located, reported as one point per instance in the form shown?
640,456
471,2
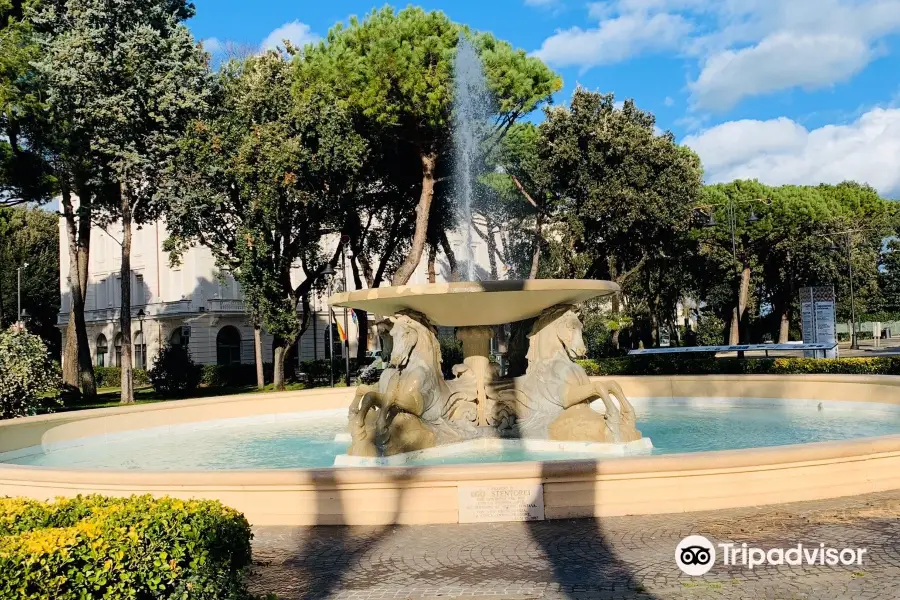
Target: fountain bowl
476,303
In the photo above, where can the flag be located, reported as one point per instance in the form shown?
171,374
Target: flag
353,315
341,333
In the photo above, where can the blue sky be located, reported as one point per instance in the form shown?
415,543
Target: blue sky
786,91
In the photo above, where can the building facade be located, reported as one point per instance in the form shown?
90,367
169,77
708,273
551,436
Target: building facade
197,305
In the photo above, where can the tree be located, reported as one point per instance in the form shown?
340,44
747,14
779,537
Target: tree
396,72
39,158
30,235
127,77
622,194
263,180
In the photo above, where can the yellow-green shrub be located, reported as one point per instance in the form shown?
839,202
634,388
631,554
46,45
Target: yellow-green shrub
137,548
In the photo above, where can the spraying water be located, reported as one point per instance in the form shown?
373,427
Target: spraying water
471,112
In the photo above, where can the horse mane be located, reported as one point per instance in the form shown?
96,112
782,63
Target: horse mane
544,340
427,335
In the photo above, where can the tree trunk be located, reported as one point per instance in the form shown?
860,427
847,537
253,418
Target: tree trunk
492,247
127,395
77,368
281,350
784,329
536,253
451,257
739,312
423,208
257,349
432,255
616,305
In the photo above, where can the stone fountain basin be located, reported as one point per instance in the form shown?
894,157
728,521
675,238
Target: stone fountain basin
475,303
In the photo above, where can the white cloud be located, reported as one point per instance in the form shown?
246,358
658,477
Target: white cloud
212,45
744,48
780,61
614,40
299,34
781,151
669,101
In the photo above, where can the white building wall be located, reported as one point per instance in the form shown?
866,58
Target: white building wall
193,293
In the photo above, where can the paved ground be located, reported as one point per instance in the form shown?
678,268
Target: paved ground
622,557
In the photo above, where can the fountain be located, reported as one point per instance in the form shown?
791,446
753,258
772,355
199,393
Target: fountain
412,408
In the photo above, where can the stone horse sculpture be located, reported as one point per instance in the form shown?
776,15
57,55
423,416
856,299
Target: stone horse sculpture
411,407
553,399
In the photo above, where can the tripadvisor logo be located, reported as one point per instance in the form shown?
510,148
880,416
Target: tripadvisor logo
695,555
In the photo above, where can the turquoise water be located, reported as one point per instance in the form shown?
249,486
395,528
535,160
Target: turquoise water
306,440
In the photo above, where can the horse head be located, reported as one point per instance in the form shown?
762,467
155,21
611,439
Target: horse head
558,329
404,338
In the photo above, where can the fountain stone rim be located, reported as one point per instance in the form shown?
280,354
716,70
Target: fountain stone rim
475,303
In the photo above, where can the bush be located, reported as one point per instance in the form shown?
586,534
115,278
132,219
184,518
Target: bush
318,372
29,378
111,377
710,330
138,547
704,364
233,375
174,373
451,354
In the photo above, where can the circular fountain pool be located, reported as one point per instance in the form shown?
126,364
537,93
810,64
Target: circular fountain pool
304,440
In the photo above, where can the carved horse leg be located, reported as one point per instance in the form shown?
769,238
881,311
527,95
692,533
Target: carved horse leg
362,421
399,428
628,420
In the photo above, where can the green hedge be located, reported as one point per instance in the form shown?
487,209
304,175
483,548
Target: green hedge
319,372
138,547
706,365
233,375
112,377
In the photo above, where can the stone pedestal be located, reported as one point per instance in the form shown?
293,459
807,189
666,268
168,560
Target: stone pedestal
476,343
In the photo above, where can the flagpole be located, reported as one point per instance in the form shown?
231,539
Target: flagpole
346,323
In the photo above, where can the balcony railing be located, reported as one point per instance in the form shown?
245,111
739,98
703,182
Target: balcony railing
225,306
155,310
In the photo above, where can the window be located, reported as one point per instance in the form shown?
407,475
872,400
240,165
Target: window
102,349
228,346
118,344
140,351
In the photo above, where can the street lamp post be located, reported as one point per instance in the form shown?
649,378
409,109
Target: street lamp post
732,224
344,241
19,291
329,273
854,340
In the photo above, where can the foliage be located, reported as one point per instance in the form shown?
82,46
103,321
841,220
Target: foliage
25,176
126,77
111,377
394,70
138,547
710,330
31,235
260,181
174,373
318,372
708,365
451,354
232,375
29,379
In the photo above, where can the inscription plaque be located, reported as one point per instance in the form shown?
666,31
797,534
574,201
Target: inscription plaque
491,503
